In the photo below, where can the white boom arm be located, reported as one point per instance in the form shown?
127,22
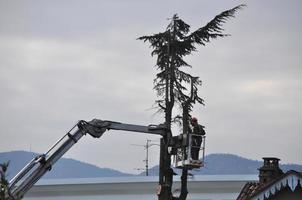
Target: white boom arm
38,166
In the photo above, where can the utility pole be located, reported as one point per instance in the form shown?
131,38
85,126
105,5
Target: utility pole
147,146
147,157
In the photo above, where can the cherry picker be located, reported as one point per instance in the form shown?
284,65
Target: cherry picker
177,146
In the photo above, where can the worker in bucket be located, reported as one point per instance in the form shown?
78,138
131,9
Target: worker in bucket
197,132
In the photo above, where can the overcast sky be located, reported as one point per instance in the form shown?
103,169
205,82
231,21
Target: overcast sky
62,61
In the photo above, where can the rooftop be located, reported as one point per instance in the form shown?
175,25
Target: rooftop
256,190
144,179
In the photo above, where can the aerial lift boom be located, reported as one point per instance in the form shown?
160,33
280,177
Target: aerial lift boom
38,166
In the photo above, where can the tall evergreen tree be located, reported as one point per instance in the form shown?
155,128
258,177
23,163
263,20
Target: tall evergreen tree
170,47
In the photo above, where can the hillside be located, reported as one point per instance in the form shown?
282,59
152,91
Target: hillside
229,164
214,164
18,159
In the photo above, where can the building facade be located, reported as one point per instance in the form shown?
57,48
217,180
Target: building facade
205,187
273,183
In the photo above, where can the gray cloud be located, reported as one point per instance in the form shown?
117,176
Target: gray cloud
61,62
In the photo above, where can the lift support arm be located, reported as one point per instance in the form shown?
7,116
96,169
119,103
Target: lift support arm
111,125
38,166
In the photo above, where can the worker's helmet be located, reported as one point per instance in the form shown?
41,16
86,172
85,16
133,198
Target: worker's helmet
194,119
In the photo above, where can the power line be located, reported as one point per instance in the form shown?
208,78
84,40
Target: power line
147,146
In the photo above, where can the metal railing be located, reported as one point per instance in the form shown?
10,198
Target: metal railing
183,157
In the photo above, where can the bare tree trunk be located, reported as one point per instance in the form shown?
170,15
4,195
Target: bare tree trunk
165,170
184,175
185,122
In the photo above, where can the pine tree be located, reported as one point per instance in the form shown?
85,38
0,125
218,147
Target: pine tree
170,47
4,184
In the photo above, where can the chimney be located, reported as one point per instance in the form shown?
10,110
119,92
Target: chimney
270,170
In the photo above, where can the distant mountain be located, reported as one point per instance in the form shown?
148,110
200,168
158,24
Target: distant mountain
214,164
229,164
62,169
